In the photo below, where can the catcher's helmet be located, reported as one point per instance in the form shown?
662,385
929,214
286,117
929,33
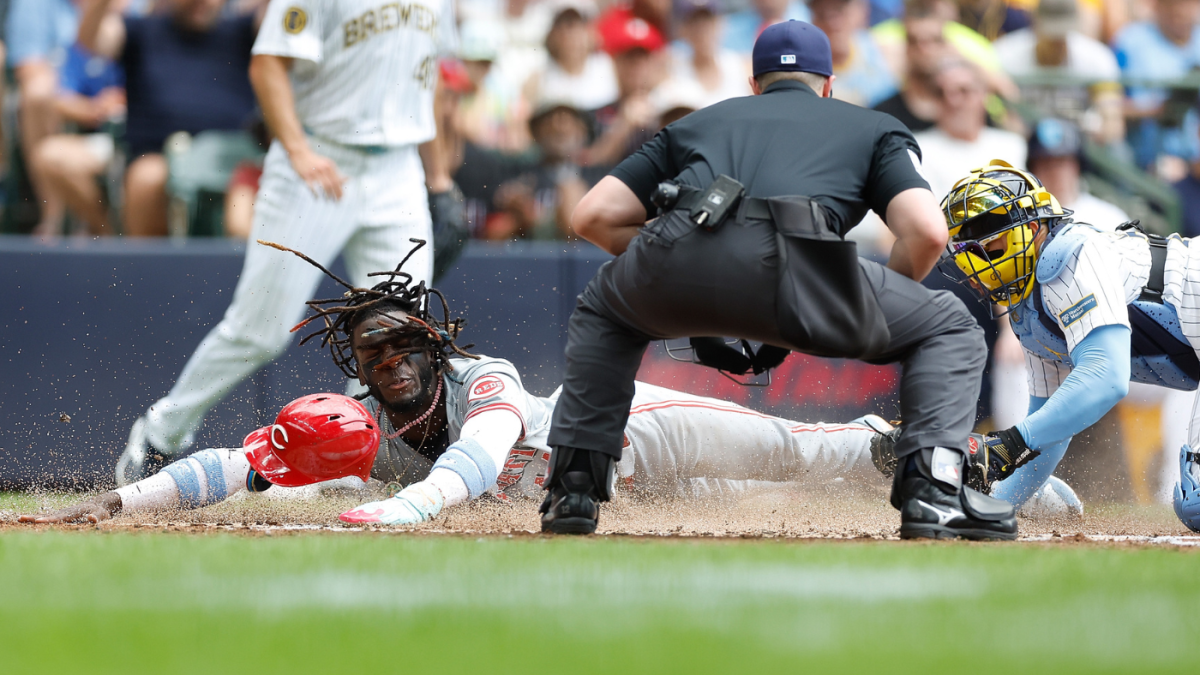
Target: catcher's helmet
315,438
994,216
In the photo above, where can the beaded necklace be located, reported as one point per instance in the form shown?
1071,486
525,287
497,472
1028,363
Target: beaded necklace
437,396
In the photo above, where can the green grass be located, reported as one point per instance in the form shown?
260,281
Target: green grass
74,602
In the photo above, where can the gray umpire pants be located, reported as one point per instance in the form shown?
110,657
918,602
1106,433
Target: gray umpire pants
676,282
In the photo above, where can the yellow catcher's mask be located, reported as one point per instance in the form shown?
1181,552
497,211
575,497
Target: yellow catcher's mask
992,215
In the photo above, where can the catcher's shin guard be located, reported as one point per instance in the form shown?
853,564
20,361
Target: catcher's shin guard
577,481
1187,490
934,504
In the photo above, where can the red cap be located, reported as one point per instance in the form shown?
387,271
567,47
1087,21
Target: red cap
621,31
315,438
454,76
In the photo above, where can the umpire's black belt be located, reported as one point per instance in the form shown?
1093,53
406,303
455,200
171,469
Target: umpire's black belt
824,305
804,216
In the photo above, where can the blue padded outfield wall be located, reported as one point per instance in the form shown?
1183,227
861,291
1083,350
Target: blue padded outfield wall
98,330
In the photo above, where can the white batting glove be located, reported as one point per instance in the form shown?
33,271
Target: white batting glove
414,504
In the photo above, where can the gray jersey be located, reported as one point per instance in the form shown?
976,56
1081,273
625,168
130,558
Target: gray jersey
474,387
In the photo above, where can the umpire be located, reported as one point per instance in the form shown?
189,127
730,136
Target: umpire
756,194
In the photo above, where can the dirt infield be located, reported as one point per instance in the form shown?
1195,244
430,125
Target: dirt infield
834,511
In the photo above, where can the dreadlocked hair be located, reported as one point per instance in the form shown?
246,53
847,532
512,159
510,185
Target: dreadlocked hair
426,332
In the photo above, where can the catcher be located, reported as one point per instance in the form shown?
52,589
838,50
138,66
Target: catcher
445,426
1093,310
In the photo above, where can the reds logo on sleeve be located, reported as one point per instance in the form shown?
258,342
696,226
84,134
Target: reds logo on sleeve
484,388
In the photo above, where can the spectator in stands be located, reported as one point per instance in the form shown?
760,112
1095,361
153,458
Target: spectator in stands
491,115
962,141
675,99
1188,190
891,37
1166,48
185,70
519,28
863,77
1056,158
575,72
992,18
538,203
742,28
638,56
702,63
918,102
1089,94
38,34
67,166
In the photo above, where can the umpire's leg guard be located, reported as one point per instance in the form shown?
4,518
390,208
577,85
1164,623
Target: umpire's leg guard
934,504
577,481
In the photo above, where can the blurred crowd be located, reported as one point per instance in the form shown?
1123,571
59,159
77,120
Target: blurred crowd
136,117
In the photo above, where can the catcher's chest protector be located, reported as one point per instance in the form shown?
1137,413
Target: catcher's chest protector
1159,352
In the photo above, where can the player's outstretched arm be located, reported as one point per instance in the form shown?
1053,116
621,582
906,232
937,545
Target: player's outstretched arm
94,510
1098,381
467,469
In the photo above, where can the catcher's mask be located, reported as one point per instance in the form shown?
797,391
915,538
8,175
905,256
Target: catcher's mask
998,218
315,438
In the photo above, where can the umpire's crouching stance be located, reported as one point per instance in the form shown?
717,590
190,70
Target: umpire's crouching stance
765,264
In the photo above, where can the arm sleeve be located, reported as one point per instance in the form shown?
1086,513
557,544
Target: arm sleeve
1099,380
645,169
496,432
291,28
1019,488
895,165
1087,295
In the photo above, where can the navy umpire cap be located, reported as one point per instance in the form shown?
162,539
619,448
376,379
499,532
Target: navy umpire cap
793,46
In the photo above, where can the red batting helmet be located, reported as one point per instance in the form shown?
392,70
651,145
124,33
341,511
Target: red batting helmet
316,437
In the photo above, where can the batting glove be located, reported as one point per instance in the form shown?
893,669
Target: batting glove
995,458
414,504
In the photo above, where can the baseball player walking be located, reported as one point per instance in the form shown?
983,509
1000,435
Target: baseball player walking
347,87
765,260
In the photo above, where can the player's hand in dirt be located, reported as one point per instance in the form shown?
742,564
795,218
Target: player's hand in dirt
414,504
94,510
318,172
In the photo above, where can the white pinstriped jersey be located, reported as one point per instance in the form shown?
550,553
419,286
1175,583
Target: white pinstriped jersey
1095,287
365,70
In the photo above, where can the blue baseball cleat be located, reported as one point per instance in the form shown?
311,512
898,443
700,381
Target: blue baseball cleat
1187,490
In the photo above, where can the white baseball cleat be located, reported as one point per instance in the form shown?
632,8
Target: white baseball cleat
133,465
1055,499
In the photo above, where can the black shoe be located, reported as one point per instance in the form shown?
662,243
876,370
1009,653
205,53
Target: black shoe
941,509
572,506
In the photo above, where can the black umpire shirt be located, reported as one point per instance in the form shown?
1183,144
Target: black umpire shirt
788,141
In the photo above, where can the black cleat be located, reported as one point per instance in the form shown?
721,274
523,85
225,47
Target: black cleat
572,506
943,509
577,481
